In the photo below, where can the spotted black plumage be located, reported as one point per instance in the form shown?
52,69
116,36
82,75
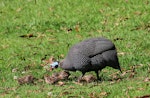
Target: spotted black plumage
92,54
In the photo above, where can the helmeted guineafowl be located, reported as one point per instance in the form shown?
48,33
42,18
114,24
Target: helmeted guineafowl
92,54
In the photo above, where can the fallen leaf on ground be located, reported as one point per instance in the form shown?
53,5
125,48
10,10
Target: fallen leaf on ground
130,87
87,78
49,61
71,87
147,79
40,80
29,79
112,82
145,96
103,94
92,95
60,83
140,89
77,28
131,75
124,73
50,80
55,77
63,75
138,13
26,68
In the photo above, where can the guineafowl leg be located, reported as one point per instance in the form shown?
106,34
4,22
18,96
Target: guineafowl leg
83,73
80,78
97,74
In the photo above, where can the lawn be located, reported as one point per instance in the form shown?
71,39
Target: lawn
31,30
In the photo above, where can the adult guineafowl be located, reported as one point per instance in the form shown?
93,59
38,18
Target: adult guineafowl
91,55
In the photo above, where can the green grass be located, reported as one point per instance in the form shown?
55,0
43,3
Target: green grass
57,25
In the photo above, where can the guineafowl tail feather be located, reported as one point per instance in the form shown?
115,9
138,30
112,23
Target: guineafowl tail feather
120,70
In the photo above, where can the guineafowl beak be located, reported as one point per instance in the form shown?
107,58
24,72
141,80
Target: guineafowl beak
119,68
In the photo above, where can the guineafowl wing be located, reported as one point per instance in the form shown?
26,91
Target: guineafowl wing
78,59
111,58
102,46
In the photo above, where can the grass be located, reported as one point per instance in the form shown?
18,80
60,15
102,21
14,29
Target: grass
57,25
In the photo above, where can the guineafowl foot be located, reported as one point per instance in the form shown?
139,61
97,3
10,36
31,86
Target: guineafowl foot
97,74
99,79
80,78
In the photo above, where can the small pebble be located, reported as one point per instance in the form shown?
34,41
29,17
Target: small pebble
15,77
14,70
49,93
60,83
23,72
